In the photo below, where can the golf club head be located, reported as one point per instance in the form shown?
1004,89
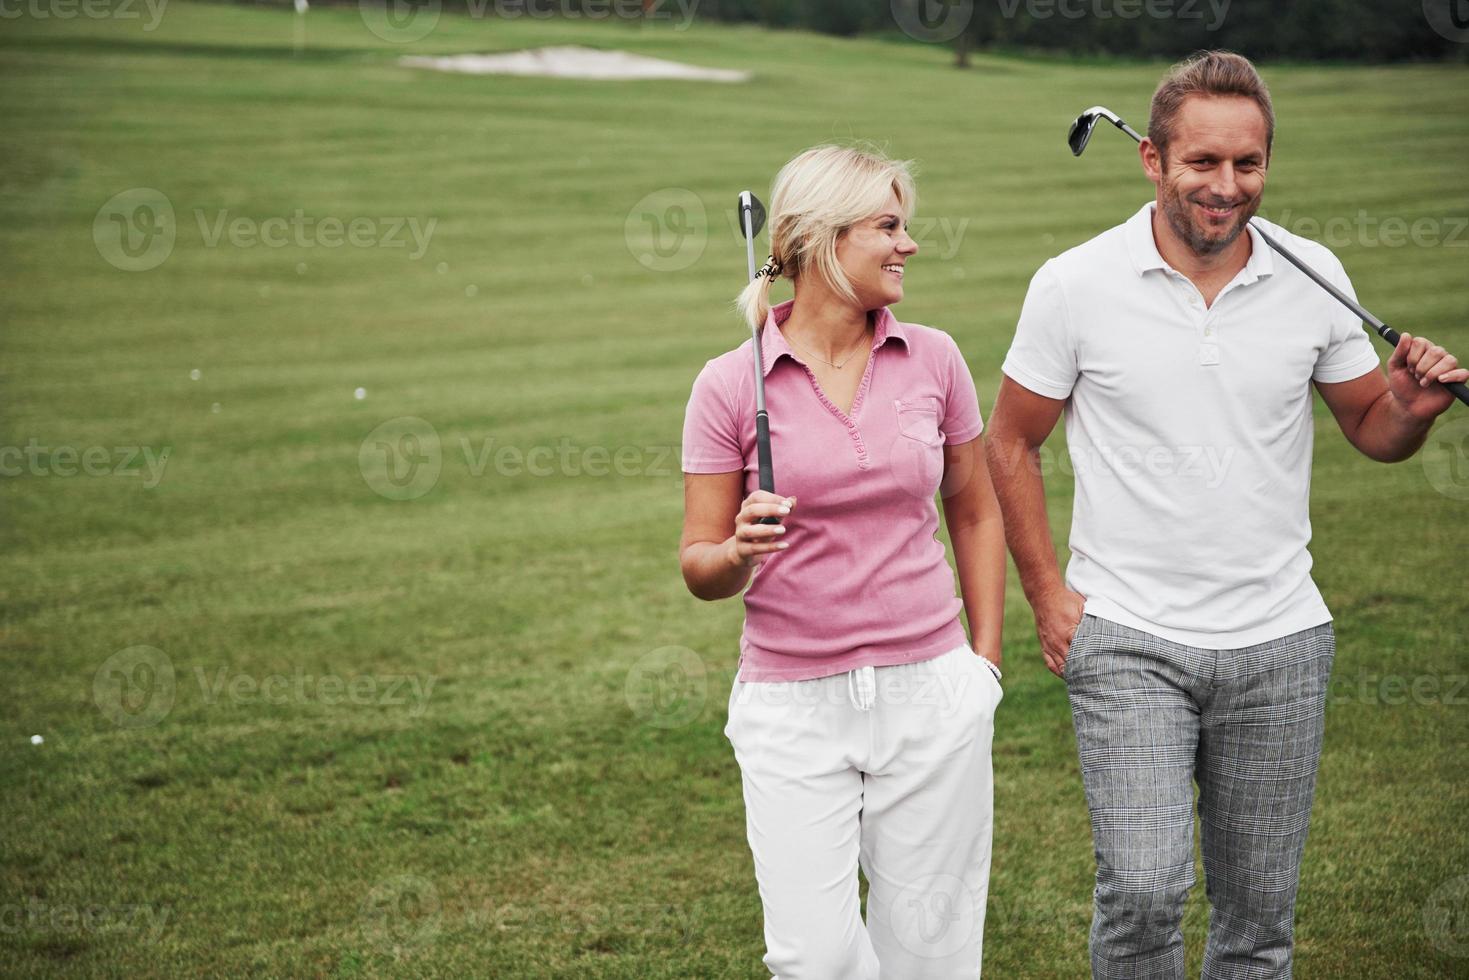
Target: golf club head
757,213
1081,130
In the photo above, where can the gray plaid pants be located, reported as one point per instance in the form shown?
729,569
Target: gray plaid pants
1152,717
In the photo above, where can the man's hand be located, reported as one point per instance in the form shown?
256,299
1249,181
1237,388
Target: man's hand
1057,614
1413,372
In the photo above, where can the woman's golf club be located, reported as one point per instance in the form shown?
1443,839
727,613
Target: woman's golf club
752,219
1081,134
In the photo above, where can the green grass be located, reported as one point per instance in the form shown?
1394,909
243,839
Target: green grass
523,816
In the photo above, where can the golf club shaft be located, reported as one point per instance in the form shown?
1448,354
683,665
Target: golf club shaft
1129,130
1459,389
1387,333
762,420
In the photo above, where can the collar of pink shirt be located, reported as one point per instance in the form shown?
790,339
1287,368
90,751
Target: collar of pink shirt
773,342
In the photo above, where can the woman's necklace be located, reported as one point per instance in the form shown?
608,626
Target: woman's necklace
844,360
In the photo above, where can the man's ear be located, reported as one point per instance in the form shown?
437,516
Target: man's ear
1151,158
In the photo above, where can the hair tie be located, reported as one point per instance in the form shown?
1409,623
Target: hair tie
771,268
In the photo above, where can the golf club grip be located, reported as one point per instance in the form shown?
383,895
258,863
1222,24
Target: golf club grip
1460,390
762,454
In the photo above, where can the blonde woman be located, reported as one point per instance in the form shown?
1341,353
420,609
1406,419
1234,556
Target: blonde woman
861,716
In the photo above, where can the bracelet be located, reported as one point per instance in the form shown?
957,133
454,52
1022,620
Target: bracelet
990,664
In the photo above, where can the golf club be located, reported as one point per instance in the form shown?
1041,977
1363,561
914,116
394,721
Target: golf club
1081,134
752,219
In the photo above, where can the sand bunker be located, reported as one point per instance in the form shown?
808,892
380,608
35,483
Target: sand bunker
572,61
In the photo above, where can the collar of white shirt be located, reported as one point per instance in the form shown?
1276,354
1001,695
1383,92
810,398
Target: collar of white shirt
1143,249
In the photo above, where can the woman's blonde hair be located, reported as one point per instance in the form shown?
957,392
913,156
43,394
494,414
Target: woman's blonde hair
816,197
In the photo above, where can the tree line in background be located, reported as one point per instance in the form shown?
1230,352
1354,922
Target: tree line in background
1337,30
1324,30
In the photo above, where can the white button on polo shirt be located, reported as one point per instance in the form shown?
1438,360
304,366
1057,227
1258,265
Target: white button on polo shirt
1189,429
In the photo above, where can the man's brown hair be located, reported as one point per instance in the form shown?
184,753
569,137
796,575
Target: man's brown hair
1213,74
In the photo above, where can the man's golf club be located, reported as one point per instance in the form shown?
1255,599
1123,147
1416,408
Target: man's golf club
752,219
1081,134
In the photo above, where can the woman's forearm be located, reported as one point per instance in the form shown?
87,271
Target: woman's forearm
979,552
710,570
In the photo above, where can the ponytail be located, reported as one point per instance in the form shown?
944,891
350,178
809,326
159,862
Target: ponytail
753,303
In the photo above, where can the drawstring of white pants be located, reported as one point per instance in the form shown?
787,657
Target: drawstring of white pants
864,692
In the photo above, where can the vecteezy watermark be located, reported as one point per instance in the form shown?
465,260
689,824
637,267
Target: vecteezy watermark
941,691
400,21
51,461
1445,458
943,20
567,458
403,458
136,230
1203,466
401,914
1206,466
1449,18
134,688
405,21
36,916
643,10
936,237
667,230
1446,917
1369,231
648,919
936,915
934,21
1212,12
1399,689
299,687
306,231
667,687
90,9
138,686
405,913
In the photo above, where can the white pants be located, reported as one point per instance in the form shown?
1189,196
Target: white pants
889,766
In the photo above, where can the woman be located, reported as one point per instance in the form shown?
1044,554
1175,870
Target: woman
861,716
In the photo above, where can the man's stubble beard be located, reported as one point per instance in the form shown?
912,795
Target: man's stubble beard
1180,219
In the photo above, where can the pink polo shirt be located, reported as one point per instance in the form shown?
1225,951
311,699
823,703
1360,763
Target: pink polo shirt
865,581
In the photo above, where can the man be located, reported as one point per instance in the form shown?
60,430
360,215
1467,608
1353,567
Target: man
1194,645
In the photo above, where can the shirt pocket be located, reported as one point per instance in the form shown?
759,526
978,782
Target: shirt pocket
917,456
918,419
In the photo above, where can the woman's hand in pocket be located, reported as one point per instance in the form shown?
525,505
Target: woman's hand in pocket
1057,614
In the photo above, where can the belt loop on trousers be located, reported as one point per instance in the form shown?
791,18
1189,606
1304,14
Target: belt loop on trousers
864,693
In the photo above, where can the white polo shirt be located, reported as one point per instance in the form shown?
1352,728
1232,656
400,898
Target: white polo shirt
1189,429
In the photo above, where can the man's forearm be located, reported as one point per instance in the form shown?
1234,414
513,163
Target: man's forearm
1016,473
1387,433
